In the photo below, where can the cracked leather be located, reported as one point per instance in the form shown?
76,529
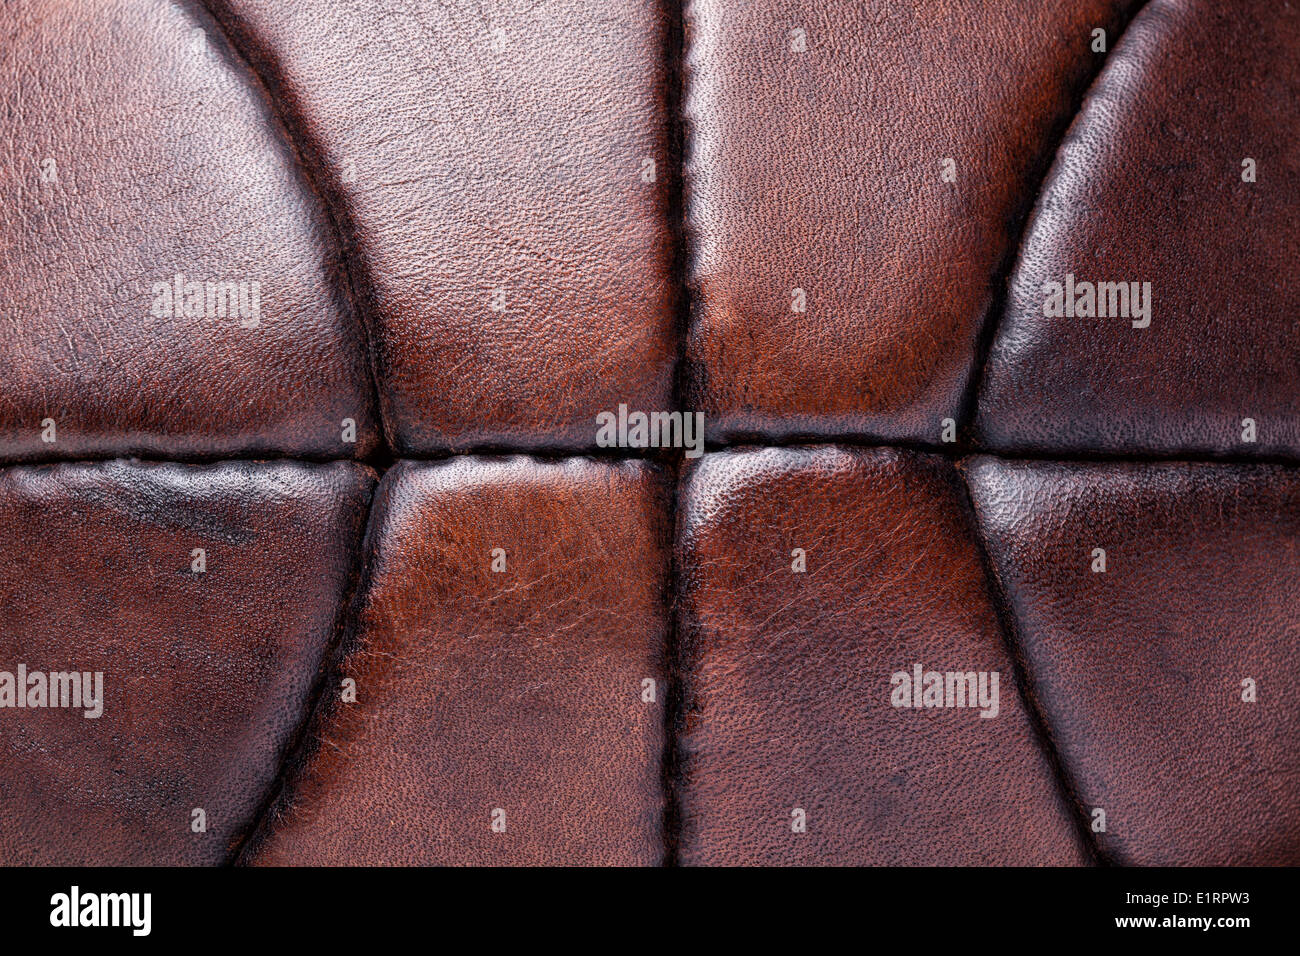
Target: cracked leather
360,584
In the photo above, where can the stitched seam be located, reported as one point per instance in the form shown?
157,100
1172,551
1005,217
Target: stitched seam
996,312
674,58
1025,686
950,452
320,704
354,281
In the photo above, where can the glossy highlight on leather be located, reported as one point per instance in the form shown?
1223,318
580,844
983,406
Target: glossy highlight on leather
649,433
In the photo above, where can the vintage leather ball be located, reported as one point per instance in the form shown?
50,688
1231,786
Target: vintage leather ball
650,432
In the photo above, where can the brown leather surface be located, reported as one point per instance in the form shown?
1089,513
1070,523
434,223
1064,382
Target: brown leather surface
1139,669
477,691
1148,187
491,147
821,170
166,159
205,675
788,674
383,170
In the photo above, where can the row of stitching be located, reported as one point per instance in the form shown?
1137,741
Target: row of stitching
674,55
951,452
355,285
1007,620
1025,687
354,281
996,311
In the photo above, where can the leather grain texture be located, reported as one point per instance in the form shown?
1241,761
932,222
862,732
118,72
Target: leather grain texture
436,619
492,161
205,675
137,149
1149,187
1141,668
819,133
512,697
788,673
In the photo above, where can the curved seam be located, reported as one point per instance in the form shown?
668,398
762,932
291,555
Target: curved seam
355,280
319,706
351,281
996,311
1067,790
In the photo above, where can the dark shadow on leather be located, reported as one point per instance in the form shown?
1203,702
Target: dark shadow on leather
1024,686
352,276
1018,227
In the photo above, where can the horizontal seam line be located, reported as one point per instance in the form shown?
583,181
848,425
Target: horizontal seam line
956,453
